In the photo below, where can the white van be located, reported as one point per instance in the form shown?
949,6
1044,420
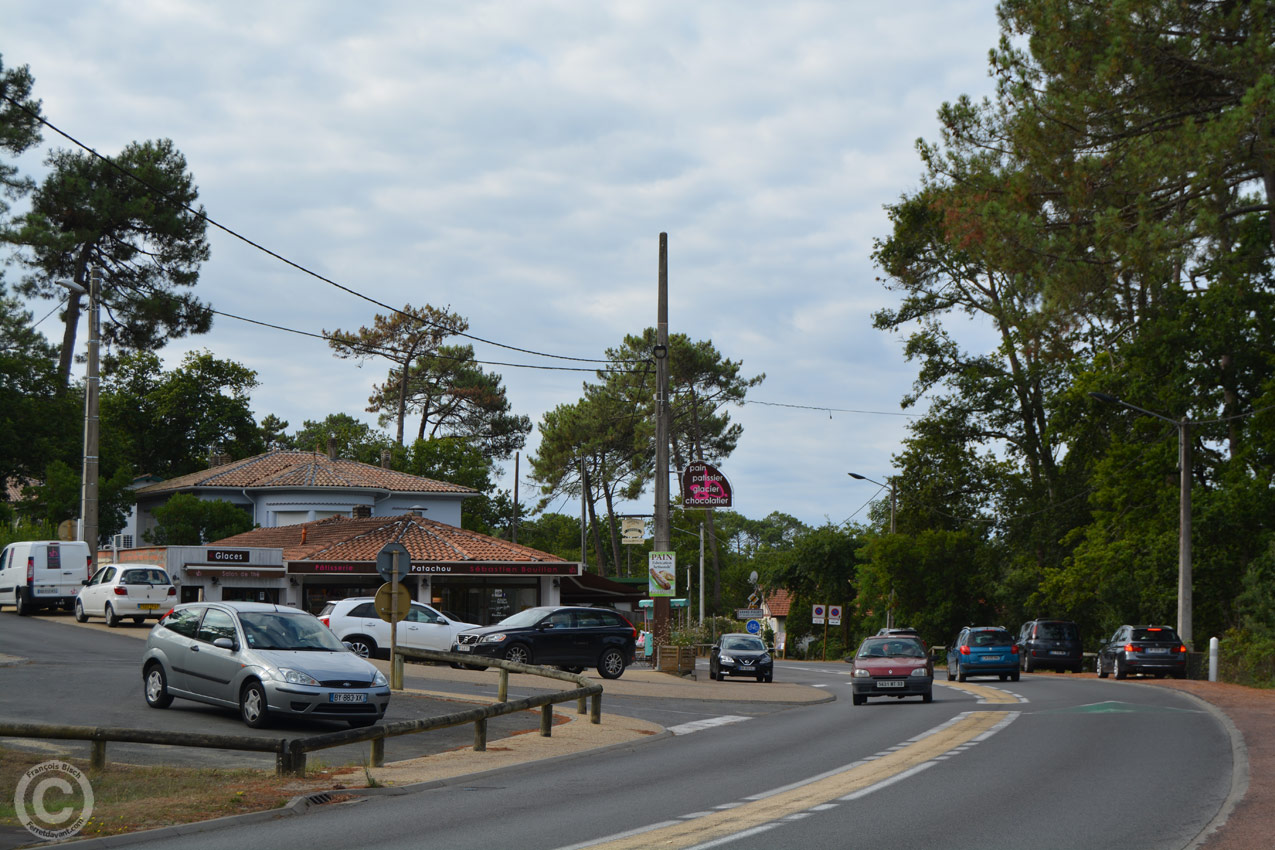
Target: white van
43,574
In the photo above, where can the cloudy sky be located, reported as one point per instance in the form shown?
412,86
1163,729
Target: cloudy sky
516,161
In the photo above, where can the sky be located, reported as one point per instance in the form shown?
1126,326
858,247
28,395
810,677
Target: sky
515,163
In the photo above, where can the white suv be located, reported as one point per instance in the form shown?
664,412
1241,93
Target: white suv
355,622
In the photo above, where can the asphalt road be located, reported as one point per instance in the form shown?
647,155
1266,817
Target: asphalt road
1048,762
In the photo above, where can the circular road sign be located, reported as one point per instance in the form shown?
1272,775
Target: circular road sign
384,602
754,627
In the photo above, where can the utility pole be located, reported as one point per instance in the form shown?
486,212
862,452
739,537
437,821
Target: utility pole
88,497
514,524
663,537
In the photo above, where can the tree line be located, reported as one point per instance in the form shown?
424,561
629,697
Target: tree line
1106,212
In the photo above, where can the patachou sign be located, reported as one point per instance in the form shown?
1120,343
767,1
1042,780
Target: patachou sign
704,487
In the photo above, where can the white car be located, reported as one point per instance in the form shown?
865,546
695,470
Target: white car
355,621
126,590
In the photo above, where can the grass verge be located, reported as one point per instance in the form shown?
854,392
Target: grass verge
129,798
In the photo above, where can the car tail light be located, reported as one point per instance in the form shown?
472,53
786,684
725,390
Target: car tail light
1128,647
965,650
325,621
88,567
30,569
1181,648
172,591
1013,650
121,591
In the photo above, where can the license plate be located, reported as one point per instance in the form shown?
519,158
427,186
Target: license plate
890,684
46,590
463,648
149,606
1057,652
991,658
1157,650
347,697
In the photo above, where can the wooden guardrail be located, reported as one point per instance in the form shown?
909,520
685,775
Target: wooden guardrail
290,753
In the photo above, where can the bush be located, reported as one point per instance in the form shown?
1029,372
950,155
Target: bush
1245,658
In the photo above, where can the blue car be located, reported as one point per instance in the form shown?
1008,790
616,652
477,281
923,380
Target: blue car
982,651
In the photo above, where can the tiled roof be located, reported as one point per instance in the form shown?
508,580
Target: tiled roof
778,602
303,469
341,538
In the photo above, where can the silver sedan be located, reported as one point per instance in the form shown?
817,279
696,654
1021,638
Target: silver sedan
260,659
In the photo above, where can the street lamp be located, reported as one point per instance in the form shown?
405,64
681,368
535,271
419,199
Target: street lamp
1184,509
88,492
889,612
859,477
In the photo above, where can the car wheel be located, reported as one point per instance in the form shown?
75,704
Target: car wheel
950,677
478,667
518,653
1004,676
1076,669
111,619
80,616
960,674
1027,662
139,620
1102,674
21,605
770,677
155,686
611,664
1120,672
570,669
252,705
857,699
1013,677
928,696
362,646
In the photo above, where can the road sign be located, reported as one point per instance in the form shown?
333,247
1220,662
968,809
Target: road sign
384,602
753,627
834,615
819,614
385,561
748,613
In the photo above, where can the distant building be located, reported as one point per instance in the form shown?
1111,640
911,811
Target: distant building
288,487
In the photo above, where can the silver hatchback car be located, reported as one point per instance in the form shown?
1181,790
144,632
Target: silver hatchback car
261,659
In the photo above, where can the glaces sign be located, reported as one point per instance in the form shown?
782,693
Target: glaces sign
704,487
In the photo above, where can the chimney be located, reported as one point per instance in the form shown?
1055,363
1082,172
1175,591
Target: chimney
331,447
417,510
385,458
361,511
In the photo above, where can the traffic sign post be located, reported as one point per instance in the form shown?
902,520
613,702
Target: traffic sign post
387,564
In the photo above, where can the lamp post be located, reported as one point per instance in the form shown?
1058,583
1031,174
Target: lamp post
1184,509
889,612
88,492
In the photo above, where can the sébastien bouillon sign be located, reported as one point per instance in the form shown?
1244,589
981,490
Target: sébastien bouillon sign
704,487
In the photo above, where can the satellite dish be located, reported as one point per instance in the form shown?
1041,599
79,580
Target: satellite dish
752,577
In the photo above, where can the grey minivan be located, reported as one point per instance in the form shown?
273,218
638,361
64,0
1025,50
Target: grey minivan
260,659
1046,644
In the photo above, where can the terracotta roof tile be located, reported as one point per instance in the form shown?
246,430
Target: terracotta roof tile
303,469
778,602
342,538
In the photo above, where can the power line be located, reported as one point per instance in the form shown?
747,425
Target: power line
829,410
304,270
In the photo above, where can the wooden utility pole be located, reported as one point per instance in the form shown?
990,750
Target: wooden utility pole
663,535
88,498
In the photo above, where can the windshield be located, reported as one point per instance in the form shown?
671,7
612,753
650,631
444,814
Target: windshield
891,649
1057,631
743,644
990,638
524,619
279,630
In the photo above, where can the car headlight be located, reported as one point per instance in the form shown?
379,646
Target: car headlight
497,638
726,659
922,672
860,673
296,677
765,656
379,679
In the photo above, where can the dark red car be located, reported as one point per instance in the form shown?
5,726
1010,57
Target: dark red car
892,666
